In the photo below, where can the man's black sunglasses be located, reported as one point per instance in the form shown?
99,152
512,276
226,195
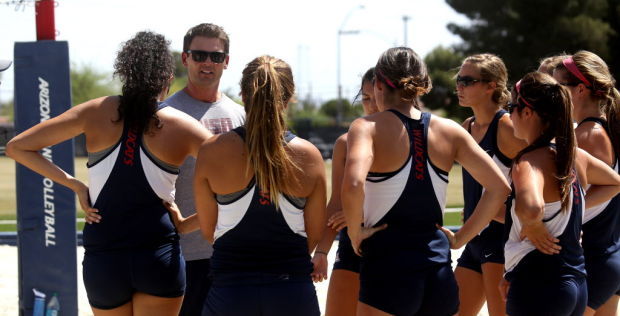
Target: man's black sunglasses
200,56
467,81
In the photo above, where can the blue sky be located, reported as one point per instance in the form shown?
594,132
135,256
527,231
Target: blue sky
303,33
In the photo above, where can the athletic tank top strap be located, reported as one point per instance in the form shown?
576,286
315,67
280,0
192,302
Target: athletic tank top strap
240,130
597,120
493,128
411,124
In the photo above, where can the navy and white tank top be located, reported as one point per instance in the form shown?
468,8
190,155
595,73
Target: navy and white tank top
472,190
601,223
127,185
252,235
564,225
411,201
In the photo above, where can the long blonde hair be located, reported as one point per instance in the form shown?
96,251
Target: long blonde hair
266,88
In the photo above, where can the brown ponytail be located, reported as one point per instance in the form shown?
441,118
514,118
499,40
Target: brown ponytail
552,103
266,87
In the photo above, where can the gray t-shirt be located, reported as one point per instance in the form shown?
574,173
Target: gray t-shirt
219,117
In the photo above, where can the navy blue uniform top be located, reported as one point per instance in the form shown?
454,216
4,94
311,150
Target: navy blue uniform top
253,236
410,201
127,186
564,225
472,190
601,228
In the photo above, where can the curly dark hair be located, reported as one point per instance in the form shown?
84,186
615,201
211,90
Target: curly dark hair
145,65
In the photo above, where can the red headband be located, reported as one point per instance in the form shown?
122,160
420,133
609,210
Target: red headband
518,86
569,63
387,81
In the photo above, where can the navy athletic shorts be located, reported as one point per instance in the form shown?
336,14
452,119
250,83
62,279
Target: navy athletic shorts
346,259
487,247
532,295
256,294
603,278
112,277
431,291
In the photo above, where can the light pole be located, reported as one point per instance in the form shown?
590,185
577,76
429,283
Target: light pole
405,20
341,31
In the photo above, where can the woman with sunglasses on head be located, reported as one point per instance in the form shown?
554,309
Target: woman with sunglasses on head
343,290
481,86
544,259
263,206
393,194
132,260
597,111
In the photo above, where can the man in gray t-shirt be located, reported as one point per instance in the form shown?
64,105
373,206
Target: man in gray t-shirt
205,55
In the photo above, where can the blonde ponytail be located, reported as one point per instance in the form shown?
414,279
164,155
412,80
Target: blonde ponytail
266,87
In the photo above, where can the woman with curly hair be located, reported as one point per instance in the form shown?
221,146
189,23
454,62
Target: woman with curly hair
132,263
394,194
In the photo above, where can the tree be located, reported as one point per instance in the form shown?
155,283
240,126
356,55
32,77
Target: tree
522,32
88,83
179,69
349,111
443,64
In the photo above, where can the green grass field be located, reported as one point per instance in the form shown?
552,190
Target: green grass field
8,206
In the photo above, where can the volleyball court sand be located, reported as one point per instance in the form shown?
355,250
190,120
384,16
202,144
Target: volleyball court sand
8,282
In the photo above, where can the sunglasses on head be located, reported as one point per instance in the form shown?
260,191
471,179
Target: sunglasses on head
467,81
200,56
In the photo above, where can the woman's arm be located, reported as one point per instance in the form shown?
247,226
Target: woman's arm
24,148
206,205
510,146
485,171
360,156
529,182
319,259
604,181
314,211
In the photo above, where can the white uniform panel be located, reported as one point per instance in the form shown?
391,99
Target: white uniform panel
160,180
99,173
